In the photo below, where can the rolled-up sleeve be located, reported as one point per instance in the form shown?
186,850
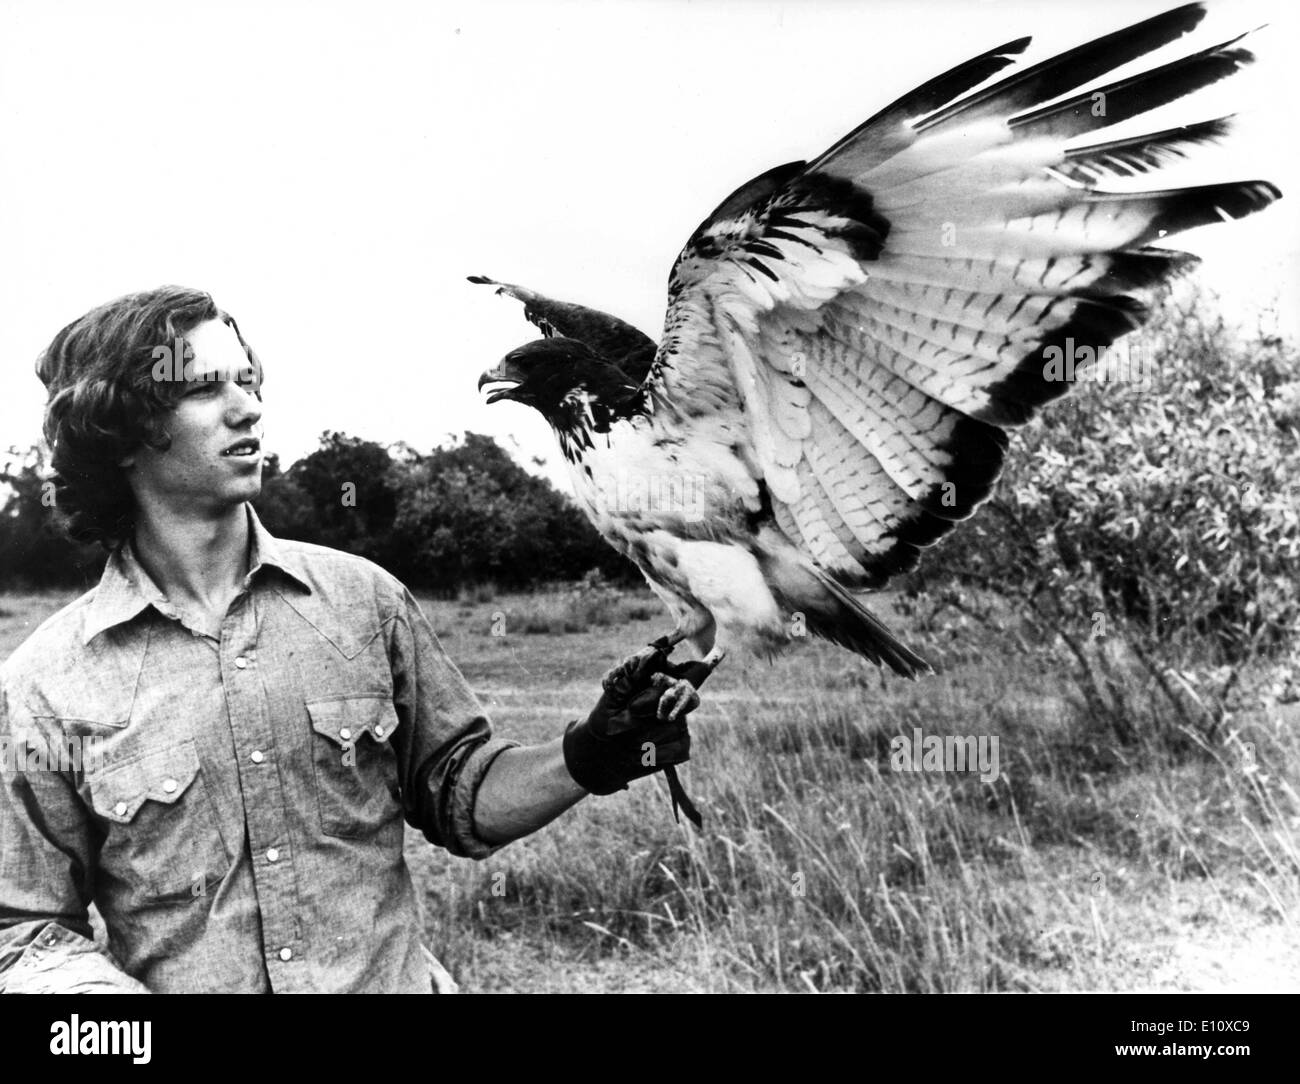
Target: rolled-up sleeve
46,870
448,745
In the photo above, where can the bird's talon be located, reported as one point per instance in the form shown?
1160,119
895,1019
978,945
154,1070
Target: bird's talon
628,665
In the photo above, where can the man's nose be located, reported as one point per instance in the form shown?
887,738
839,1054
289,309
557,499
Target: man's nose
244,407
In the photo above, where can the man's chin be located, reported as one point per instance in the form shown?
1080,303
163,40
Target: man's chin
248,487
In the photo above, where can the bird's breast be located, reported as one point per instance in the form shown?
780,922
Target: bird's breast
642,477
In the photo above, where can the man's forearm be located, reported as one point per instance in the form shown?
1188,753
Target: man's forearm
525,788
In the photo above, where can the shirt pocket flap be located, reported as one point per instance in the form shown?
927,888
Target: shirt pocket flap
344,721
117,791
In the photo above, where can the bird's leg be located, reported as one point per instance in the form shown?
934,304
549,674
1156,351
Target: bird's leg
681,696
664,643
681,687
669,640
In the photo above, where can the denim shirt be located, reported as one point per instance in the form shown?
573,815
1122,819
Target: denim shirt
233,807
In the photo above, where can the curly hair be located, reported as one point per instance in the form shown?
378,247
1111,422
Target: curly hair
105,402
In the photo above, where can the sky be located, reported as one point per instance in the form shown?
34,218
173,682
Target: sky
331,171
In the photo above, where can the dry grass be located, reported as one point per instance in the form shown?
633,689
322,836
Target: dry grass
1154,855
1155,859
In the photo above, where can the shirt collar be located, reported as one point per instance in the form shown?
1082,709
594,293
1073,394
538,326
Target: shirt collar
125,589
270,551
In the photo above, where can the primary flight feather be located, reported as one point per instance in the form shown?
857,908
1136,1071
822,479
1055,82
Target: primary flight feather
847,339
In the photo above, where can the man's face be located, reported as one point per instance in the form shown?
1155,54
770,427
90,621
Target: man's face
215,458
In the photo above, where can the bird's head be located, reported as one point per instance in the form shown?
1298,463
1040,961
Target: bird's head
564,380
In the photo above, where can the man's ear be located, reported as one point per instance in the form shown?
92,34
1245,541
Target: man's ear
128,460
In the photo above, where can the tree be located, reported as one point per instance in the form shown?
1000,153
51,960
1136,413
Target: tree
470,514
465,513
350,489
33,551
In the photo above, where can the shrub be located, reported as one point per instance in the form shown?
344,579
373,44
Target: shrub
1167,503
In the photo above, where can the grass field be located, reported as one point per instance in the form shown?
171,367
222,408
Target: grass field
1132,849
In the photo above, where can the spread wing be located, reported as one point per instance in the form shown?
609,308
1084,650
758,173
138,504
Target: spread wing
613,339
881,314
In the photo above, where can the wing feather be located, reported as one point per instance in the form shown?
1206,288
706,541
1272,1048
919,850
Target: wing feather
882,313
618,341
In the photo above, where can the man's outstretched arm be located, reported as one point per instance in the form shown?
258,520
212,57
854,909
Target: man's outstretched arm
471,792
526,788
637,727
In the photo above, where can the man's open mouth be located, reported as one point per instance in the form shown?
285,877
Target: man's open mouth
250,446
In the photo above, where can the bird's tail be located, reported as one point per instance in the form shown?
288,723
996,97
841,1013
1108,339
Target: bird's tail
858,629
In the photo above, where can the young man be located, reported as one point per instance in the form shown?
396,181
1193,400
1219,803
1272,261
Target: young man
255,718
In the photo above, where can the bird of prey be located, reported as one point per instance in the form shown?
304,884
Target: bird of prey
847,339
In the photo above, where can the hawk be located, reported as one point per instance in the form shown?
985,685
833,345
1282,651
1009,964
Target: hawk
847,340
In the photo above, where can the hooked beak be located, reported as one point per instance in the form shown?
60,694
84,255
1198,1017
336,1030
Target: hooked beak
505,374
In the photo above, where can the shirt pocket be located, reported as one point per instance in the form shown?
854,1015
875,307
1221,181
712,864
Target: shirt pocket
355,765
160,823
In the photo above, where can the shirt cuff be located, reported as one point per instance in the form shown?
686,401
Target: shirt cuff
59,961
466,842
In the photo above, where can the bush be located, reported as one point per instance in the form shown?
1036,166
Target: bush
1167,503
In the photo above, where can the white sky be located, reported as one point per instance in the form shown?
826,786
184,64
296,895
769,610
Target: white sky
331,171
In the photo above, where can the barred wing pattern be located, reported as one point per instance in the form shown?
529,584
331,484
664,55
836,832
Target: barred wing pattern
882,314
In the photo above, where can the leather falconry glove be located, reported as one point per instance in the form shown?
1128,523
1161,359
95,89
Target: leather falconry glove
638,727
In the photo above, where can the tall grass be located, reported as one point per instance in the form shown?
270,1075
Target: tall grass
587,604
822,868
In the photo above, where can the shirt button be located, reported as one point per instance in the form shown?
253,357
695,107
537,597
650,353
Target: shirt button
120,809
170,785
256,756
273,855
345,734
286,954
241,663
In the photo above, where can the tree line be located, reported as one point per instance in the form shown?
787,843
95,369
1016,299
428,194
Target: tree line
462,514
